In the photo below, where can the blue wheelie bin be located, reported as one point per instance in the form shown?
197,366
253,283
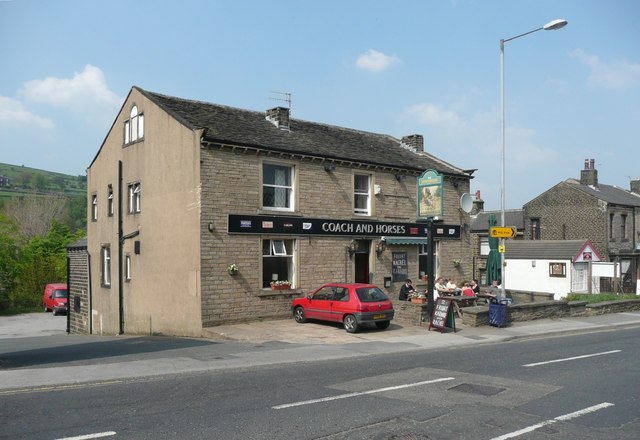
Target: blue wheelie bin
498,312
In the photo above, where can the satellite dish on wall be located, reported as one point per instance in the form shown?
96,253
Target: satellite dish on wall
466,203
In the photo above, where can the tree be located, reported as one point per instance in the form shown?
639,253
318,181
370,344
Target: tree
34,215
8,259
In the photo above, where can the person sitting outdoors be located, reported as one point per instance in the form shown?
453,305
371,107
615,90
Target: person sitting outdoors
467,290
475,286
405,290
452,286
440,286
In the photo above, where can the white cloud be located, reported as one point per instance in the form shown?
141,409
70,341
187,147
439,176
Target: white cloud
13,111
375,61
82,93
614,75
431,114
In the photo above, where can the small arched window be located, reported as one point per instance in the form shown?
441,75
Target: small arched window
134,126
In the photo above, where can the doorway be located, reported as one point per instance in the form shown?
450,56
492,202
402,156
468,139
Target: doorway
361,270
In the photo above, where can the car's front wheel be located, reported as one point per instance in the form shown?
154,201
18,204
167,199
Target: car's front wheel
350,324
299,316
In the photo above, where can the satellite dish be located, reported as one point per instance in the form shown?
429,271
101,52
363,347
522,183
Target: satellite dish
466,203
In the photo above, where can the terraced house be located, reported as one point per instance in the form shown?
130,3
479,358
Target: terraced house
202,214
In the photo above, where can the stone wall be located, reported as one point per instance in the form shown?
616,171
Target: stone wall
78,283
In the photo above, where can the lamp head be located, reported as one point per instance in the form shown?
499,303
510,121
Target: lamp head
555,25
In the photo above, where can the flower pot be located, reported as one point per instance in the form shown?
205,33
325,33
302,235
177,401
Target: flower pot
281,287
418,300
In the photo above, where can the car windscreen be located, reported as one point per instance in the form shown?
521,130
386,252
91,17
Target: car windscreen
60,294
371,294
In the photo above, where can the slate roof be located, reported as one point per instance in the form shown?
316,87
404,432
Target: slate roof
544,249
249,128
608,193
512,217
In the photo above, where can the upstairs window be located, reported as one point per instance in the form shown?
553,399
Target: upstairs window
623,227
110,201
277,187
134,126
362,194
94,207
535,229
135,194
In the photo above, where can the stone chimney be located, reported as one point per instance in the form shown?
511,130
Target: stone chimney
279,117
414,142
635,186
478,203
589,176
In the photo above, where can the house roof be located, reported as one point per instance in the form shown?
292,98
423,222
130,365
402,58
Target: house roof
607,193
544,249
512,217
233,126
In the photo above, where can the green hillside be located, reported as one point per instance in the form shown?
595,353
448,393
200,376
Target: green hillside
24,180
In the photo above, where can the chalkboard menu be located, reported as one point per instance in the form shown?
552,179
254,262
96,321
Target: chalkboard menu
399,268
442,315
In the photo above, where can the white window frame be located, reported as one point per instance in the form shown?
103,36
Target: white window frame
278,247
94,207
105,265
484,246
134,126
357,193
135,197
127,267
110,210
289,189
273,252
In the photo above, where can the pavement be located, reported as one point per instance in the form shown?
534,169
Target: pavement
36,353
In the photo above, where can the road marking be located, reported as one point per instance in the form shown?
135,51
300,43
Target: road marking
90,436
563,418
572,358
360,393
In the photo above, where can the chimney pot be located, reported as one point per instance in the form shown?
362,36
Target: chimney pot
589,176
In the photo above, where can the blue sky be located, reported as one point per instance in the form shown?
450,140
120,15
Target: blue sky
395,67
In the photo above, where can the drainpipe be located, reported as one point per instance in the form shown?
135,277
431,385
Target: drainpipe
120,252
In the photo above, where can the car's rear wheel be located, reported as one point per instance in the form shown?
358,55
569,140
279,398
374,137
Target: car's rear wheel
383,324
299,316
350,324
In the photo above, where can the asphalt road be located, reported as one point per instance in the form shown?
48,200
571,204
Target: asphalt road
576,386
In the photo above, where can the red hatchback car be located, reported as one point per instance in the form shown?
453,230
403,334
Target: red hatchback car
351,304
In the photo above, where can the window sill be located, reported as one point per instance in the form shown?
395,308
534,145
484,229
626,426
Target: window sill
268,293
282,212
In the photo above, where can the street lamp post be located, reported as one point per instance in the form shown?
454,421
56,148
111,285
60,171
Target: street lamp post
551,26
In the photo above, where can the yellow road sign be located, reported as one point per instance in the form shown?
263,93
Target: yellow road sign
505,232
502,249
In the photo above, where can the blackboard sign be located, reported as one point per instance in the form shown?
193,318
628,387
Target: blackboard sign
399,269
442,315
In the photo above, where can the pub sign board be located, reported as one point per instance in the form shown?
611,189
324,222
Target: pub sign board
442,315
265,224
430,195
399,267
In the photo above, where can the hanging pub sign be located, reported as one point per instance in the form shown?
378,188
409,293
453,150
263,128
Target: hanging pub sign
430,203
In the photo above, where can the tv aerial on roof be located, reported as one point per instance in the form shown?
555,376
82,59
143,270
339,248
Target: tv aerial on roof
284,97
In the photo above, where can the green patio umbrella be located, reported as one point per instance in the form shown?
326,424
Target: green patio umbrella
493,260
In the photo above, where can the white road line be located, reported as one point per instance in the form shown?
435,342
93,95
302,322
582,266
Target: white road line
572,358
90,436
360,393
563,418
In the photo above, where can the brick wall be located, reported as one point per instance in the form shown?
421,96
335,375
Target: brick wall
79,310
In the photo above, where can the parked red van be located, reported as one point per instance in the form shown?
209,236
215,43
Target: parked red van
55,298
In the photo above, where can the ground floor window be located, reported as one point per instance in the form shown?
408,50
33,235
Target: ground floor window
423,253
278,261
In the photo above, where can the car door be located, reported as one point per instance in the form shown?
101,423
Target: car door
340,303
320,304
